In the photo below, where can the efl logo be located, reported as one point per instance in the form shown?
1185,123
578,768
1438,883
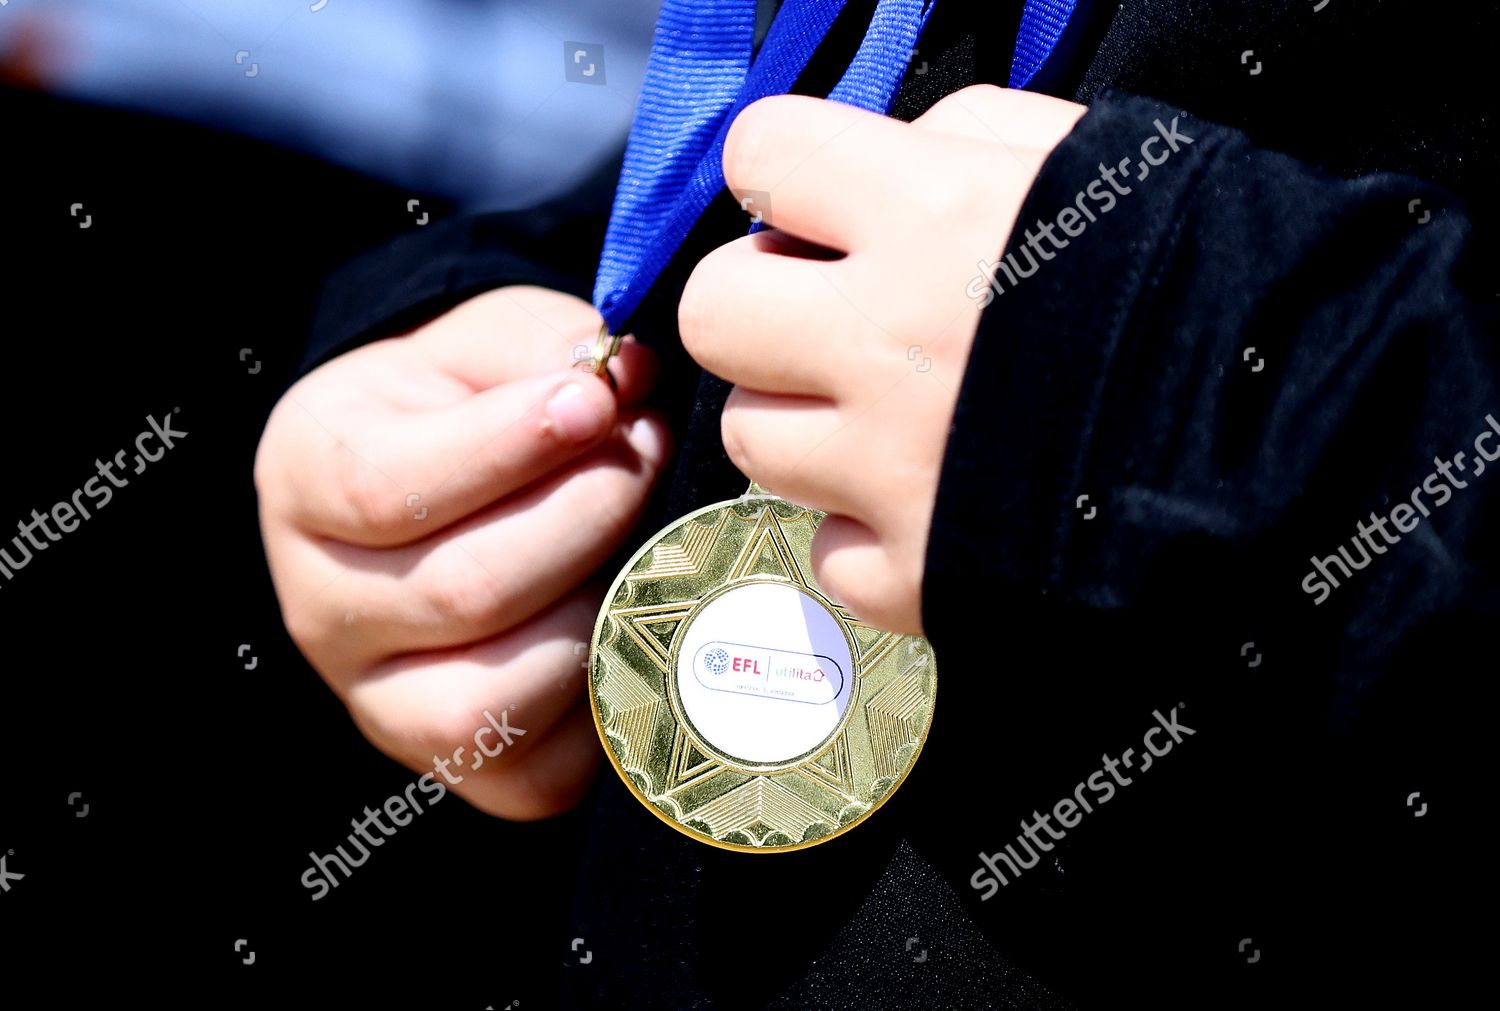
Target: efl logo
786,675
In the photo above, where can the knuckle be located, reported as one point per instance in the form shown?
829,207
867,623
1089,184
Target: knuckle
267,469
447,723
371,501
460,591
985,108
951,198
413,726
433,724
276,451
400,730
309,629
982,96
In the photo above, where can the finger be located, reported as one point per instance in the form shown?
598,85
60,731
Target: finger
522,331
1019,119
634,369
482,577
441,715
428,709
408,475
549,780
793,446
852,568
744,317
831,173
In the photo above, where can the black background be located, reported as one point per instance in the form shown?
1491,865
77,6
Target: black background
207,784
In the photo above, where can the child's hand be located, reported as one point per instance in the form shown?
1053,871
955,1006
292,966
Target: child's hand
430,524
847,369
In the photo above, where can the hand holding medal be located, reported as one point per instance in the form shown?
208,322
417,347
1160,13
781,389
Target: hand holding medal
847,356
740,703
419,495
752,689
419,501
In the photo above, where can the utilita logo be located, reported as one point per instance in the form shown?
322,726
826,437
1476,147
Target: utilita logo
809,678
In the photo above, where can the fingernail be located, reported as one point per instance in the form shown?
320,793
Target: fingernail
575,415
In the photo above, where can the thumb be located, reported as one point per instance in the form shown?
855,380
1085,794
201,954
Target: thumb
452,461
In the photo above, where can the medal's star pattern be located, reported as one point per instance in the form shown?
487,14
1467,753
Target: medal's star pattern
759,804
893,715
831,769
689,785
688,766
633,711
652,626
768,552
685,558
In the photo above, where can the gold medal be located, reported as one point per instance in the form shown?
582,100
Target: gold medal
738,702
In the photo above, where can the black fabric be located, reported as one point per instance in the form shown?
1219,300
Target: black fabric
420,274
1210,484
1371,330
1272,855
896,954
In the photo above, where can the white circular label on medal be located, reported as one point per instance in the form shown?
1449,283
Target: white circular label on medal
764,672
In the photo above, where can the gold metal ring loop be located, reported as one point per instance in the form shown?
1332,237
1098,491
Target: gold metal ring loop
605,347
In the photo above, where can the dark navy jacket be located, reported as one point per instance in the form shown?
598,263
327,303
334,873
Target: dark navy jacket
1165,442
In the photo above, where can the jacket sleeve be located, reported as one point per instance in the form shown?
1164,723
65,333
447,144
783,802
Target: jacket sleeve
1227,368
408,281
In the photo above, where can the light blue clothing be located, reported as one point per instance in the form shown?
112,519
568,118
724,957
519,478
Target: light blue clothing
466,99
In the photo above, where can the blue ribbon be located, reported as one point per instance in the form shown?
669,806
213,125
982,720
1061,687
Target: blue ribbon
1042,25
698,79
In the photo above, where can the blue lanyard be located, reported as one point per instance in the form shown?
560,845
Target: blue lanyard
1042,25
700,76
